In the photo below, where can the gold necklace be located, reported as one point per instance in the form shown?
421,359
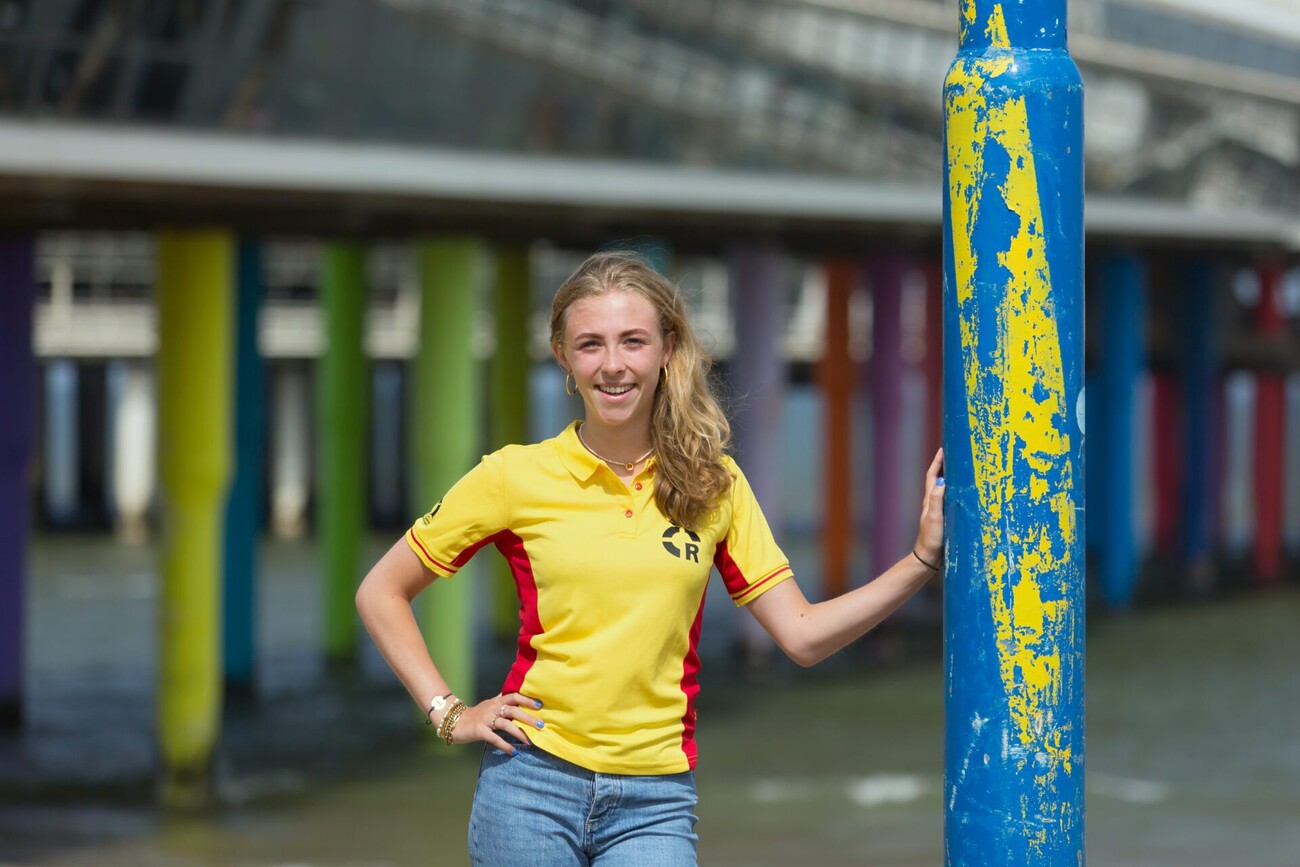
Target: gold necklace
627,466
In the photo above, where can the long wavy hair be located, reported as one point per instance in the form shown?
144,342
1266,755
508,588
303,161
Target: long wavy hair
688,429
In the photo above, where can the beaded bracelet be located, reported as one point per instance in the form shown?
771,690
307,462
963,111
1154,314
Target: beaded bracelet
448,724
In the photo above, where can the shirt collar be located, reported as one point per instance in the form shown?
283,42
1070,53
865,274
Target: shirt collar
581,462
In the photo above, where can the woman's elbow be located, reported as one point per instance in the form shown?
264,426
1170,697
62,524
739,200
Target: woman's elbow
804,654
369,592
362,597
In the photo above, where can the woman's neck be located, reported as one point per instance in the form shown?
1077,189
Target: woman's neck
616,445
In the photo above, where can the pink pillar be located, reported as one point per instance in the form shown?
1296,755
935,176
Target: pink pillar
758,379
1166,430
932,272
1269,440
885,382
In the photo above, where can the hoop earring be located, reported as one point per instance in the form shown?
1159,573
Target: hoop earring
570,391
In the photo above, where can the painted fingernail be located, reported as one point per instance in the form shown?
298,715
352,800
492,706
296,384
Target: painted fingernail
541,724
940,482
537,702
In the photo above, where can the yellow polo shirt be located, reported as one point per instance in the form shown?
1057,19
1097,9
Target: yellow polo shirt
611,594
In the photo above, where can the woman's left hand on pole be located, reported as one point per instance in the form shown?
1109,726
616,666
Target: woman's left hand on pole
929,536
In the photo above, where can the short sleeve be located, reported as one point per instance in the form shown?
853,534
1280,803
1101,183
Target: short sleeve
468,517
748,558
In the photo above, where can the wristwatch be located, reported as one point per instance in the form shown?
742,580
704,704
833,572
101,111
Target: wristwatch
439,703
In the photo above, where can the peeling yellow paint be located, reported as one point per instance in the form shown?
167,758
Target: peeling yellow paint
968,10
1016,402
996,30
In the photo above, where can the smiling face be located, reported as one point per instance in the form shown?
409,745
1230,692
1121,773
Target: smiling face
614,348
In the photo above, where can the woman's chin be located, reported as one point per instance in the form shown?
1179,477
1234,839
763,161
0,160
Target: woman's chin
616,416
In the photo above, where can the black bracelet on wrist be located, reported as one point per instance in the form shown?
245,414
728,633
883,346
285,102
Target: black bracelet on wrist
435,705
923,563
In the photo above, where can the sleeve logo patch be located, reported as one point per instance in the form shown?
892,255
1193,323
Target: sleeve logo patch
428,519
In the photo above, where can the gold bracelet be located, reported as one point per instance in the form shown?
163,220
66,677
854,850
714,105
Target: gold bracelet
448,724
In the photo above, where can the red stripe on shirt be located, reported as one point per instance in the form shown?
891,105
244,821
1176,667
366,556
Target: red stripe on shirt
737,585
732,577
749,591
416,539
465,556
530,624
691,685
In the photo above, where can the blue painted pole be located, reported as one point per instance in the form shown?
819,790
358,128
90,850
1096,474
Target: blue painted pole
1013,379
18,384
1123,288
1199,284
244,508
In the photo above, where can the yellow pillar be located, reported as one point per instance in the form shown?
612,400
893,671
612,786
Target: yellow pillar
195,282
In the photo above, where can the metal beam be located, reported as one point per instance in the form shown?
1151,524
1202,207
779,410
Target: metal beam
142,173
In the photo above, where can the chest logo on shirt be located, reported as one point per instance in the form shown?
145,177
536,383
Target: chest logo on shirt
689,551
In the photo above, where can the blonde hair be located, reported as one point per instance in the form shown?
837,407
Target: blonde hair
688,429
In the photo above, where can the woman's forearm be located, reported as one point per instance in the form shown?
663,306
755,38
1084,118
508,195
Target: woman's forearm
834,624
808,633
384,604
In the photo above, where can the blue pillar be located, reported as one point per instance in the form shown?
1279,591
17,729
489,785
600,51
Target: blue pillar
244,508
62,453
1199,324
1013,380
656,251
1123,288
758,383
17,383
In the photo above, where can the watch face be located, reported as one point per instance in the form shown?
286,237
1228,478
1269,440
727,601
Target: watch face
440,702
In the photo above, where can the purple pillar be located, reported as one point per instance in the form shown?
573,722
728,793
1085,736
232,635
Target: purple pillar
758,380
17,382
758,370
885,375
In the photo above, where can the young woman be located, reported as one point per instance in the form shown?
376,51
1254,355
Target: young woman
610,530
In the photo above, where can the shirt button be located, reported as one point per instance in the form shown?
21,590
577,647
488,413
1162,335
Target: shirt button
638,486
628,513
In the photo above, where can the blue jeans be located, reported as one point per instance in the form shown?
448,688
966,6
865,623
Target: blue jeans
537,810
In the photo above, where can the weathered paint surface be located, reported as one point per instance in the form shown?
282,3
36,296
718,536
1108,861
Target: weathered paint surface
1015,671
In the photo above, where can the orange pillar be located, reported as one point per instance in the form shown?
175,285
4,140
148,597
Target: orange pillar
835,376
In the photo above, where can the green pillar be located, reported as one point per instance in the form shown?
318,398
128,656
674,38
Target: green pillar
195,283
446,437
509,371
341,412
